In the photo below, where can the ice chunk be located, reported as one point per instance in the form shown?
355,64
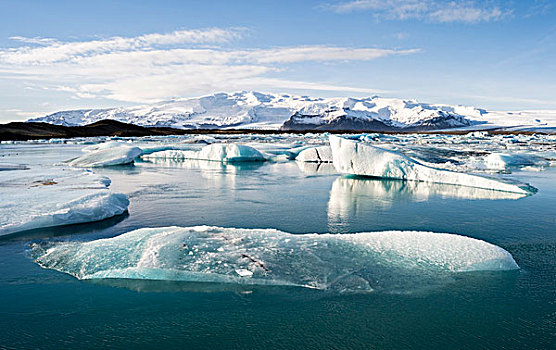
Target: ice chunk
321,154
343,262
502,161
215,152
357,158
45,197
107,157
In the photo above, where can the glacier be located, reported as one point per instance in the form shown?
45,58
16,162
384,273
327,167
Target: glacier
55,196
109,155
359,262
358,158
229,153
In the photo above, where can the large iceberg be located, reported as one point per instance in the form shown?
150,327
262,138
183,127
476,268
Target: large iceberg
358,158
109,156
343,262
54,196
320,154
216,152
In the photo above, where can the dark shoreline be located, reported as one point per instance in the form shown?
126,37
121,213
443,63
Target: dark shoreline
21,131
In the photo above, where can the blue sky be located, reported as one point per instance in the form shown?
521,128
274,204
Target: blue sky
57,55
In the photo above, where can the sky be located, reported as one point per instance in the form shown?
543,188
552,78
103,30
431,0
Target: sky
59,55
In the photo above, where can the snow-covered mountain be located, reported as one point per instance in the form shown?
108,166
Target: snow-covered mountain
254,110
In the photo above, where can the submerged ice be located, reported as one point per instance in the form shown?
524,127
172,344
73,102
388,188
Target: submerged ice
55,196
389,261
358,158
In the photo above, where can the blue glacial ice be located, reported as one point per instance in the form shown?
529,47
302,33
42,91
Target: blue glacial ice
358,158
215,152
109,156
55,196
361,262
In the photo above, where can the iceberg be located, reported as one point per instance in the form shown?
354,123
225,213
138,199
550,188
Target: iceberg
215,152
107,157
360,262
46,197
357,158
321,154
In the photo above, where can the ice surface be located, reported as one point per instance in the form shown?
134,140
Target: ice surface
55,196
343,262
321,154
109,156
215,152
7,167
358,158
103,146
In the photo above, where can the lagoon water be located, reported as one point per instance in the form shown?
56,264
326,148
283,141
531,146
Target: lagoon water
47,309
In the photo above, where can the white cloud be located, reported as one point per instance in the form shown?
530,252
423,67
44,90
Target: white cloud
55,51
465,11
158,66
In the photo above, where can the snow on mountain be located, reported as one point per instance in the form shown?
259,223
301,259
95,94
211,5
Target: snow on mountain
254,110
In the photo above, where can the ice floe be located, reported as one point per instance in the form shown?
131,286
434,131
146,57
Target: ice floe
214,152
55,196
365,262
358,158
110,156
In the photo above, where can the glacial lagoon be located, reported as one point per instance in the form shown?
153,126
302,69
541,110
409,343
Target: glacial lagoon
358,298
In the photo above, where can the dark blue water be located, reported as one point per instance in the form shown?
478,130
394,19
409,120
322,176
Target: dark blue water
496,310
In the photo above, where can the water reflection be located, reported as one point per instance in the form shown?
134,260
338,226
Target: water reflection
218,174
352,197
311,168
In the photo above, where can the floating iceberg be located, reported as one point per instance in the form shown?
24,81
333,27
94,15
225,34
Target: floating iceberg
216,152
321,154
343,262
107,157
45,197
357,158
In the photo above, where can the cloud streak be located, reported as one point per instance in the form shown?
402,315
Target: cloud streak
441,11
158,66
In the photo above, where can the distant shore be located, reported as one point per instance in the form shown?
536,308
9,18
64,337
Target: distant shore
21,131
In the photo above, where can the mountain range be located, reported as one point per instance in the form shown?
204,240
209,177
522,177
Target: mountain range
255,110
